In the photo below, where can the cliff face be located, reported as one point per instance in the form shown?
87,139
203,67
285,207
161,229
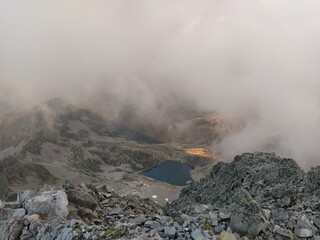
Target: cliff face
257,196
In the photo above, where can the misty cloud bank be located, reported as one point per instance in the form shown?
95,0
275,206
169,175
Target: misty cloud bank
254,59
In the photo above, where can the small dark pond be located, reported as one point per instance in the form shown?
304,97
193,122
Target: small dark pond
172,172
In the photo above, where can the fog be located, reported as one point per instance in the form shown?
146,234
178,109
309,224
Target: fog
249,58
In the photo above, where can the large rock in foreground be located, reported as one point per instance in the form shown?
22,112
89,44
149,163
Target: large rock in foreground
49,204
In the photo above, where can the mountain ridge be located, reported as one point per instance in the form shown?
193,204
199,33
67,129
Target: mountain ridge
75,144
280,204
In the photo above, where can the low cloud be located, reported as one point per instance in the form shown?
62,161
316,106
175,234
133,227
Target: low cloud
254,59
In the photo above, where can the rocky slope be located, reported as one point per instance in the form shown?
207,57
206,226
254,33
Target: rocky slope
257,196
57,142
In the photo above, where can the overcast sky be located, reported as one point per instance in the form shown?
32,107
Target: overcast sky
258,59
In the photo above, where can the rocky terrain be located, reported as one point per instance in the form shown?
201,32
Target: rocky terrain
56,142
257,196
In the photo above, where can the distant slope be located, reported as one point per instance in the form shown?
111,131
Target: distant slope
59,142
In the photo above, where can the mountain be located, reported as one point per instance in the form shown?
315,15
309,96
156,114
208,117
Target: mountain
259,195
256,196
56,142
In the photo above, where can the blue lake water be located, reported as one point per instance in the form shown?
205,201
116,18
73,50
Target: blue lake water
172,172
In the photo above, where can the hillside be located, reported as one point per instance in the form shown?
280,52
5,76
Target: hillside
257,196
57,142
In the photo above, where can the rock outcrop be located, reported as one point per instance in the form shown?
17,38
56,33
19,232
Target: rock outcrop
257,196
266,196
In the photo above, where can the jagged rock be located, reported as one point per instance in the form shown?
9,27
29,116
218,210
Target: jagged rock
224,216
114,211
227,236
316,221
266,213
303,222
258,173
303,232
219,229
19,213
34,227
5,216
283,232
15,225
261,190
25,195
313,181
286,201
14,229
2,204
258,195
86,213
214,219
197,235
30,219
170,232
82,199
49,204
200,208
152,224
26,234
279,214
246,215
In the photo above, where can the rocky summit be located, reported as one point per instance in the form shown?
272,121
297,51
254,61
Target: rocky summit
257,196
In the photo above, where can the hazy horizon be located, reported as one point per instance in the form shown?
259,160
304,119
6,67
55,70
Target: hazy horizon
257,60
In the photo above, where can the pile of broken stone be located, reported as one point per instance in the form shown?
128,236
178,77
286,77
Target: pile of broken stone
257,196
263,195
